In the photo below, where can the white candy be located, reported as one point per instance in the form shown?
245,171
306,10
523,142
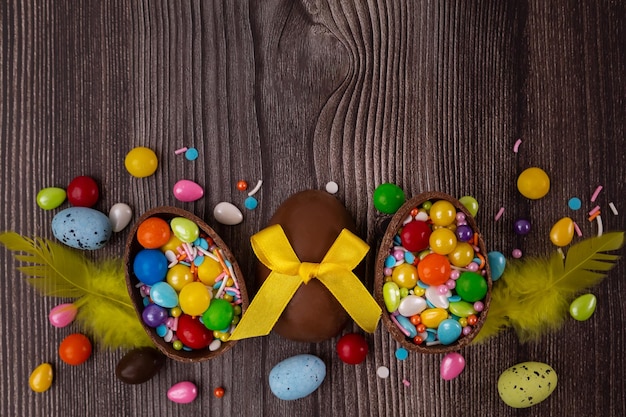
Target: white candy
119,216
436,298
411,305
227,213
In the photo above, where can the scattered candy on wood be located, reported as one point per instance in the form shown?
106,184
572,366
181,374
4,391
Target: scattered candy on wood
82,228
526,384
562,232
250,203
242,185
497,263
141,162
297,377
583,307
332,187
83,191
219,392
40,379
63,314
51,197
470,204
187,191
533,183
521,227
120,215
388,198
451,366
139,365
227,213
352,348
183,392
75,349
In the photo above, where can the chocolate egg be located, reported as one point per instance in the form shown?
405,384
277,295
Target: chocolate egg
312,220
139,365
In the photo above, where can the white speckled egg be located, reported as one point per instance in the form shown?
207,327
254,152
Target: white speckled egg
82,228
526,384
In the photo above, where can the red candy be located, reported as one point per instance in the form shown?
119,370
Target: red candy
415,236
193,333
153,233
83,192
352,348
75,349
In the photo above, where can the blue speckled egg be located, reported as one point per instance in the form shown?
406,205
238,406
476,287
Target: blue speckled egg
297,376
82,228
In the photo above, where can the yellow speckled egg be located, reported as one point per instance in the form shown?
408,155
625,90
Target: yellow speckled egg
526,384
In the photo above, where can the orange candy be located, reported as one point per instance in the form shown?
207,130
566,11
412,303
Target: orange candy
434,269
75,349
219,392
242,185
153,233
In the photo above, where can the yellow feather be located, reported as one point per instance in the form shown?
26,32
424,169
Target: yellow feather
99,290
533,295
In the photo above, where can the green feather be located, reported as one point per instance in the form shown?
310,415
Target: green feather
533,295
105,310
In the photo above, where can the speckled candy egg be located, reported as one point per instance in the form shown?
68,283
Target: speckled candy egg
526,384
82,228
297,377
312,220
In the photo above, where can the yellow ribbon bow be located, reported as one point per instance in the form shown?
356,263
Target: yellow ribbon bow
287,274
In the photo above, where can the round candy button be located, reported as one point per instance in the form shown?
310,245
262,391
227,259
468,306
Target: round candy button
141,162
83,192
388,198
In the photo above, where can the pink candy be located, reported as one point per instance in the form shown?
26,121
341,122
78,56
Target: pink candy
63,314
183,392
451,366
187,191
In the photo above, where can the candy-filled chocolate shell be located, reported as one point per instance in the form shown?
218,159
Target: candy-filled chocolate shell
312,220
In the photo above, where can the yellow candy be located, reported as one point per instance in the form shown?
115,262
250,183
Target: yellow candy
141,162
172,244
405,275
462,254
533,183
178,276
194,298
433,316
442,241
41,378
209,270
562,232
442,213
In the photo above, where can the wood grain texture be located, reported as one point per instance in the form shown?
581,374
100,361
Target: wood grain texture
428,95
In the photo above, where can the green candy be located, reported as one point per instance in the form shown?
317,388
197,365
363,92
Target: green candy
219,315
583,307
51,198
470,204
471,286
461,308
388,198
391,296
185,229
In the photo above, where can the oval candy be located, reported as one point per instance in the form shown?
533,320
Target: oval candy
533,183
164,295
40,379
497,263
562,232
139,365
451,366
185,229
433,316
227,213
187,191
183,392
526,384
51,197
436,298
120,215
62,315
82,228
583,307
411,305
391,296
297,377
449,331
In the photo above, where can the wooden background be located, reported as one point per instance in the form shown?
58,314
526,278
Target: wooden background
428,95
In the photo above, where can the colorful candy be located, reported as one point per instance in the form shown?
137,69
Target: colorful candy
451,366
182,392
562,232
352,348
227,213
51,197
297,377
388,198
187,191
83,192
120,215
63,314
75,349
139,365
40,379
583,307
82,228
526,384
533,183
141,162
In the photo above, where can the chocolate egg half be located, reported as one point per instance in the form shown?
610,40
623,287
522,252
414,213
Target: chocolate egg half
312,220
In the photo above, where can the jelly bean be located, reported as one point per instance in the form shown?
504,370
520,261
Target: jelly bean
391,296
219,315
470,204
352,348
139,365
153,233
187,191
141,162
194,299
150,266
193,333
388,198
63,314
434,269
411,305
51,197
562,232
154,315
451,366
461,308
407,326
464,233
75,349
436,298
184,229
449,331
497,263
178,276
120,215
164,295
521,227
533,183
583,307
442,213
471,286
433,316
227,213
40,379
83,191
442,241
183,392
405,275
415,236
461,255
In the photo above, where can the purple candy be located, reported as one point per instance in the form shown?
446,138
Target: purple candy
154,315
521,226
464,233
